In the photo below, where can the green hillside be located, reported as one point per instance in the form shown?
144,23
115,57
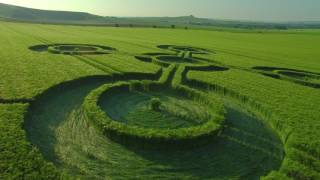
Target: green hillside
35,15
16,13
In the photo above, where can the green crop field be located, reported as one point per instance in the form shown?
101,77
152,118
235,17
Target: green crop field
85,102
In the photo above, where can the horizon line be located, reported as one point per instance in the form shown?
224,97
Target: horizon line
166,16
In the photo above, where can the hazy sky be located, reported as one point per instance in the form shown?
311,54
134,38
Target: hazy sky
261,10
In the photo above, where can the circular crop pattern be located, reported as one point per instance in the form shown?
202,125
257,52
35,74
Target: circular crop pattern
186,55
153,117
73,49
177,59
194,50
297,76
98,127
61,127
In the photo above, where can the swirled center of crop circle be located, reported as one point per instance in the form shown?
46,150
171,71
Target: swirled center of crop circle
155,110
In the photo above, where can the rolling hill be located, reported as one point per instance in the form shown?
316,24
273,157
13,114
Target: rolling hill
22,14
11,12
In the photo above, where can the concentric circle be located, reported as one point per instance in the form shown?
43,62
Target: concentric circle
156,129
73,49
190,129
186,55
301,77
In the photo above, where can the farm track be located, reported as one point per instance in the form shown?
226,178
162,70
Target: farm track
97,65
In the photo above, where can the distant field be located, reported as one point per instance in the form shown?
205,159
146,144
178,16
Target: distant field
147,103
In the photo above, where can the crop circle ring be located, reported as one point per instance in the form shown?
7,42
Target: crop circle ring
151,137
73,49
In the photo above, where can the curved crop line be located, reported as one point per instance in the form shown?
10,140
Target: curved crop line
174,76
181,78
62,85
180,55
120,132
236,140
73,49
267,68
292,75
166,73
267,114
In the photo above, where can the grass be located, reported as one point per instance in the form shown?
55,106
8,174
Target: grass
19,159
271,124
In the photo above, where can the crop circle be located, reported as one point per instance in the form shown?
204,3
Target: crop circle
186,55
177,59
79,145
194,133
154,109
301,77
177,48
168,121
73,49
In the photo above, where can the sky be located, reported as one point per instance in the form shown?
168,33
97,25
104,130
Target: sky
252,10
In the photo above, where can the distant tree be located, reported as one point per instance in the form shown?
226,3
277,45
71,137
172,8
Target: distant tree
130,25
186,28
116,25
173,26
154,26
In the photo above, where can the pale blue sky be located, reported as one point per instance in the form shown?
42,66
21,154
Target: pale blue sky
254,10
